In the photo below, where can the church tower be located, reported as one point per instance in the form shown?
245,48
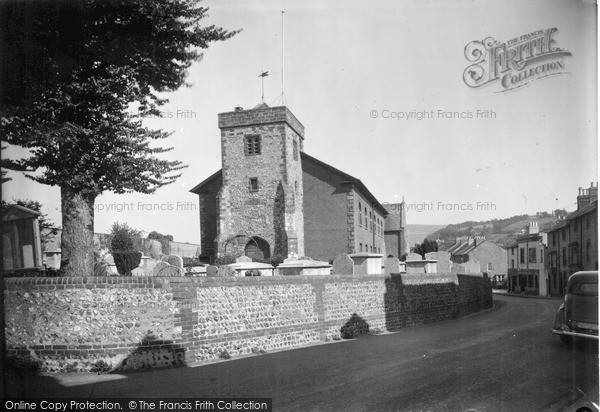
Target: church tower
260,209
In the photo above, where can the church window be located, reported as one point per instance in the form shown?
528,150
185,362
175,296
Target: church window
253,184
295,150
359,214
252,145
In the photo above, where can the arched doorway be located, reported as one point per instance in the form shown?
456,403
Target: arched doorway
257,248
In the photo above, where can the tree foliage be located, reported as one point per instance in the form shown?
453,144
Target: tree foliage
79,67
426,247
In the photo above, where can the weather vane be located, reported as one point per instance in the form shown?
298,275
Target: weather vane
263,75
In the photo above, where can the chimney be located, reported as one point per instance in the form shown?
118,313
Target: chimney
587,196
533,228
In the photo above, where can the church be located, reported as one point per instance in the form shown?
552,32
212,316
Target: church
272,200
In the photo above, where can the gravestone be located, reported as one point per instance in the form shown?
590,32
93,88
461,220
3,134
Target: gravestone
243,259
173,260
137,272
392,265
414,256
443,260
212,271
226,271
343,265
163,269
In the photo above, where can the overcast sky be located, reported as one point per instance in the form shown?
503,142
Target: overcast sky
347,69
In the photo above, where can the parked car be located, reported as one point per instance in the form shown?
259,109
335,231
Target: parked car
577,316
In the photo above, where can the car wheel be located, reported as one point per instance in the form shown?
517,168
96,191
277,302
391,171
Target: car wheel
567,340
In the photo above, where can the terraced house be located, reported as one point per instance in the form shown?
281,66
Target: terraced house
272,199
573,242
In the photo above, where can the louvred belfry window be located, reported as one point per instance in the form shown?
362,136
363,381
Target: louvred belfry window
252,145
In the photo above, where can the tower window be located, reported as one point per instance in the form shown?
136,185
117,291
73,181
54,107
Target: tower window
251,145
295,150
253,184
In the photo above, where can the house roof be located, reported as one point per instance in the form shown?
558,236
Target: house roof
578,213
347,179
15,212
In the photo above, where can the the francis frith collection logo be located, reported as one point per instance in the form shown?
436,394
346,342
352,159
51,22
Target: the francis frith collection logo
516,62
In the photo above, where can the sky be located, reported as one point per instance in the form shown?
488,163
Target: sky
354,73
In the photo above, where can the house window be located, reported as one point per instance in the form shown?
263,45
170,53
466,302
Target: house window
512,263
532,255
522,255
251,145
575,224
360,247
371,224
553,260
253,186
295,150
366,219
564,256
564,234
574,254
588,250
553,238
512,251
541,255
489,266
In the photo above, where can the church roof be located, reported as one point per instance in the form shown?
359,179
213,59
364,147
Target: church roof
198,188
347,180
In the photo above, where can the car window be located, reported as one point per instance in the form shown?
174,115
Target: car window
588,287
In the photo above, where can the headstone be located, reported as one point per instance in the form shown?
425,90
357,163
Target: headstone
243,258
343,265
443,260
414,256
108,258
137,272
226,271
163,269
392,265
212,271
173,260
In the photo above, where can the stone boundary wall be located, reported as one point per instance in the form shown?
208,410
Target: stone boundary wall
131,323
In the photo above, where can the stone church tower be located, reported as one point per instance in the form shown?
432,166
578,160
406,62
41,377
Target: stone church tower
260,203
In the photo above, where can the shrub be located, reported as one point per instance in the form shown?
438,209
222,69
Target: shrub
225,260
125,256
100,367
355,326
190,262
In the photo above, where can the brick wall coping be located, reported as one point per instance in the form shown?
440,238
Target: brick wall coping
148,280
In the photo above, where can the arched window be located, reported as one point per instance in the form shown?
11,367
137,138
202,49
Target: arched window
366,219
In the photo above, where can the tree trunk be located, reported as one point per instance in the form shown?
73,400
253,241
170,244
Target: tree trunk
77,240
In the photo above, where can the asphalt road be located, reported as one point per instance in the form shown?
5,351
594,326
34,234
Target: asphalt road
504,359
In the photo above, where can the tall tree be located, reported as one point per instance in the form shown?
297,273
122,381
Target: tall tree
71,72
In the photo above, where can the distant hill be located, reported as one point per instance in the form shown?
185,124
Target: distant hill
498,231
418,233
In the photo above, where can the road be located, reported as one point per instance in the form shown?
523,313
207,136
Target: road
503,359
